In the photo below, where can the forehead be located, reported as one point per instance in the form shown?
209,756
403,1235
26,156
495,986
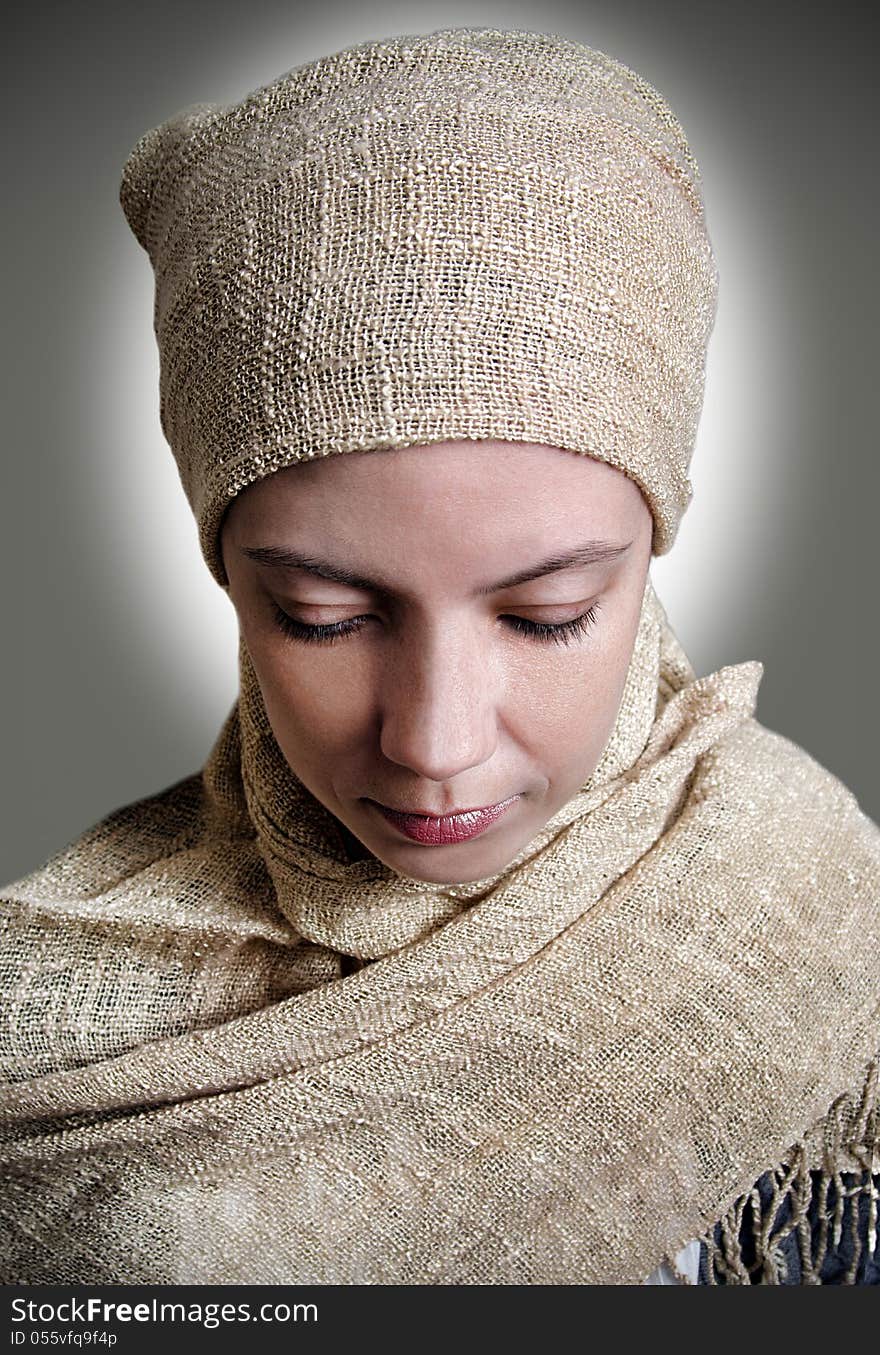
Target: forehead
481,485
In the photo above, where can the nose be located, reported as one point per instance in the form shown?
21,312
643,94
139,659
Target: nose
439,713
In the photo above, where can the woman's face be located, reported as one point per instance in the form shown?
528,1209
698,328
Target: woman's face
402,663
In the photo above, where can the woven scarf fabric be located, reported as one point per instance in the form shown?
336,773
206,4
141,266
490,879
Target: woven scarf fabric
466,234
231,1054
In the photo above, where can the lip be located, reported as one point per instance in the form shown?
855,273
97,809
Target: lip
435,830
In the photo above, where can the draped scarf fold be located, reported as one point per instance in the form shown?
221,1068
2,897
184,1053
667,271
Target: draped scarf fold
306,1068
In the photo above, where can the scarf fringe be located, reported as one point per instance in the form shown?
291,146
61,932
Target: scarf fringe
815,1194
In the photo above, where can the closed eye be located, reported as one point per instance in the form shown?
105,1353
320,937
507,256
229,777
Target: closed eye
561,632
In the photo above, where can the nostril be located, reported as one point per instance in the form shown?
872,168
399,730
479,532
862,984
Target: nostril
438,717
437,748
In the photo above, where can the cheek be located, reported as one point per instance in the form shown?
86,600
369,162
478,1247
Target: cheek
573,706
565,703
315,700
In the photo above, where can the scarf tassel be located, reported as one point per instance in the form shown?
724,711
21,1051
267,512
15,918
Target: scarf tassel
803,1224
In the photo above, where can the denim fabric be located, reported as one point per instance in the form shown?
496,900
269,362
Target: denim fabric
837,1259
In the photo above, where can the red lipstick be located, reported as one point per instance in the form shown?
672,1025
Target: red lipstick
436,831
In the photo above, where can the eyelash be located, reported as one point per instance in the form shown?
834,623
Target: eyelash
540,631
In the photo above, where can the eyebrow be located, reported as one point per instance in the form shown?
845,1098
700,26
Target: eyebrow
590,553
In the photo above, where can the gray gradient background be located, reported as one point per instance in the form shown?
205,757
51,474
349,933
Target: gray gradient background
120,652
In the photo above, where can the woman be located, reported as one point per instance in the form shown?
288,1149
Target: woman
491,945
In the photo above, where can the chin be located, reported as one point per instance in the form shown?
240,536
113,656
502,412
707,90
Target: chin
437,865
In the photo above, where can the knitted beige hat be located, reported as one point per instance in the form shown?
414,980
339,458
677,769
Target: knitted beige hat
471,233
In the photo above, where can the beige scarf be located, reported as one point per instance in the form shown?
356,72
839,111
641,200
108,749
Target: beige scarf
232,1054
